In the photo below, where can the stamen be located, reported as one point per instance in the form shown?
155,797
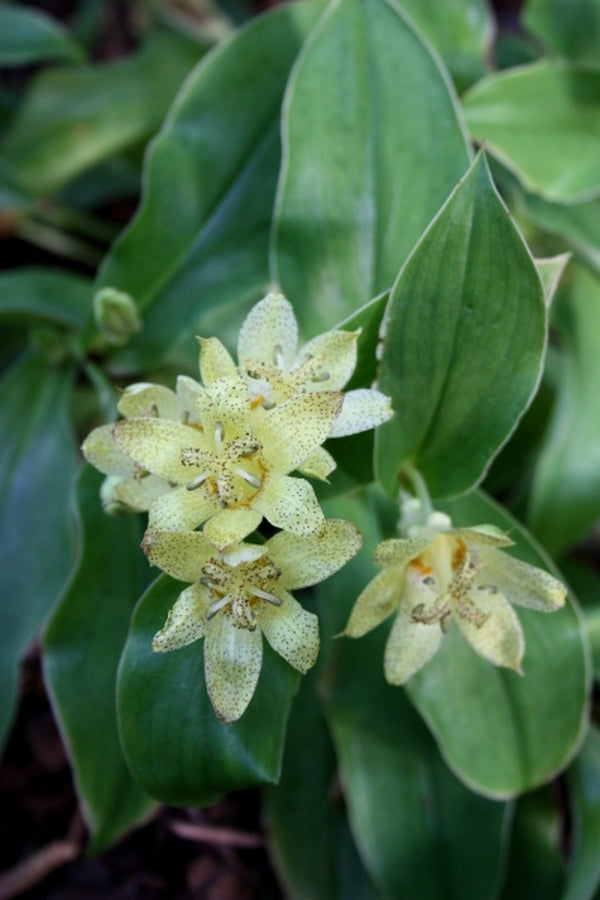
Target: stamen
197,482
209,583
488,588
264,595
323,375
248,477
218,605
429,580
219,435
278,356
269,404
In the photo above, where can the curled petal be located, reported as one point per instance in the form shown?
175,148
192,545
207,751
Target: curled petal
290,504
185,621
232,661
291,431
522,583
269,329
499,637
133,493
335,352
304,560
363,409
181,554
410,645
231,526
215,361
182,510
378,601
292,631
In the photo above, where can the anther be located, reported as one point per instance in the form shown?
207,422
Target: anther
219,435
252,480
265,595
323,375
197,482
278,356
215,607
209,583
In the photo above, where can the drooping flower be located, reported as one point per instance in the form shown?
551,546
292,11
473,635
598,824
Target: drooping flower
442,575
277,370
232,470
241,593
129,485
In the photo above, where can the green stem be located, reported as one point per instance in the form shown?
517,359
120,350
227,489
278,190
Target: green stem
57,242
419,488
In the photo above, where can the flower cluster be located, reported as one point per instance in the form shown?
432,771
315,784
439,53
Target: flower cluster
439,575
218,454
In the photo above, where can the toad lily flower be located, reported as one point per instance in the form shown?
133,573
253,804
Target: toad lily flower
129,485
445,574
232,470
277,371
238,595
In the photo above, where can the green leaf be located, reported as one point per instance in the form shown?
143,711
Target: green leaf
74,118
543,122
418,830
467,301
37,459
309,839
535,863
503,733
578,225
571,29
372,144
551,271
460,30
585,582
82,647
174,744
49,295
30,36
203,226
583,778
565,494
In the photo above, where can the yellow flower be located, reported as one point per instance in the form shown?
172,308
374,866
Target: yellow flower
441,575
232,470
239,594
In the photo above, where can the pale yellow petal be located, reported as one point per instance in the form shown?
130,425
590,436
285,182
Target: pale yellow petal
232,662
185,621
289,504
409,647
189,392
291,630
215,360
136,493
269,334
231,526
102,451
182,510
499,638
181,554
335,353
304,560
363,409
399,551
376,602
290,432
171,450
522,583
146,399
483,536
320,464
225,401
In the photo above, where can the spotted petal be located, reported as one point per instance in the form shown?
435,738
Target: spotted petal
215,361
399,551
291,630
185,621
102,451
290,432
145,399
269,325
363,409
522,583
160,445
182,510
500,638
304,560
289,504
134,493
232,661
410,645
376,602
180,554
335,352
231,526
319,464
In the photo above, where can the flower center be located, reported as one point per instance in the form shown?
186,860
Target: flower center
274,383
234,473
238,590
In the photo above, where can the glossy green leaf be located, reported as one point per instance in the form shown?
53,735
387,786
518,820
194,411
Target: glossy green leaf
543,122
82,647
309,840
583,778
578,225
419,831
565,495
571,29
373,145
48,295
174,744
467,301
535,864
203,226
501,732
37,461
29,36
460,30
73,118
